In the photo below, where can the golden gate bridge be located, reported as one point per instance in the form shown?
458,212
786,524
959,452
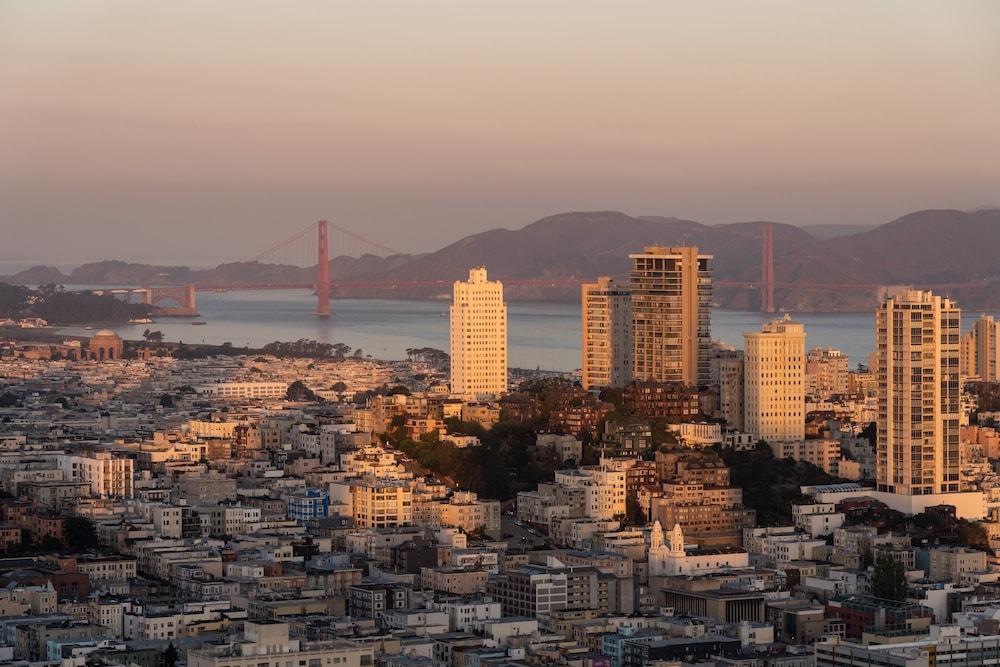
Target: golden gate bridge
312,244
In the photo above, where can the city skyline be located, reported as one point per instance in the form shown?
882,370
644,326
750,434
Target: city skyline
222,122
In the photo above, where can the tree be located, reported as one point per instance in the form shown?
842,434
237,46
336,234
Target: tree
8,400
80,533
298,391
170,656
339,387
889,578
166,401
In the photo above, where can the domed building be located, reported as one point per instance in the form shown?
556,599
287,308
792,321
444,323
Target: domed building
106,345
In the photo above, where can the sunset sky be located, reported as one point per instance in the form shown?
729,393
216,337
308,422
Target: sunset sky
211,130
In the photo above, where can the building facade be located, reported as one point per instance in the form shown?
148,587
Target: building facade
478,337
774,381
671,299
607,339
918,403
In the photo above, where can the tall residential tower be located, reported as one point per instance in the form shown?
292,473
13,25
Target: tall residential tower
607,340
985,359
478,337
671,298
917,336
774,381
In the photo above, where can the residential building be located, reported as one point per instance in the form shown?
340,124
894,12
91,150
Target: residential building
827,371
478,337
774,381
671,299
607,340
919,391
269,643
985,337
107,474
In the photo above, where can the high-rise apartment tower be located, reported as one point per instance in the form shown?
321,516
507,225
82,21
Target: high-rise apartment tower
607,340
478,337
917,336
671,299
774,381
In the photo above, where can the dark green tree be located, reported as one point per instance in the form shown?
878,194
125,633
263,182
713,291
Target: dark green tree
889,578
298,391
170,656
79,533
167,401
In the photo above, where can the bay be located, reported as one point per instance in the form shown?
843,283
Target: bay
541,335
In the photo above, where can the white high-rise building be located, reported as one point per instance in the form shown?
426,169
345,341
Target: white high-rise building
607,338
478,337
774,381
917,338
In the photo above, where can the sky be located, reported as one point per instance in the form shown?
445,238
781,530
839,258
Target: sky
209,131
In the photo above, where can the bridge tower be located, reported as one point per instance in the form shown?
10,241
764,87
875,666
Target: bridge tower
767,270
323,271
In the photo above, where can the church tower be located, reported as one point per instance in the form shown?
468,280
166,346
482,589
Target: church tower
675,540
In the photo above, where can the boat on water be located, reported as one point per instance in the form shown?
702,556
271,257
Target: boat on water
198,324
140,320
88,328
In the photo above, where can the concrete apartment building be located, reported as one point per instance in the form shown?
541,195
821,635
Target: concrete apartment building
607,334
671,300
826,372
774,381
107,474
728,372
267,643
478,337
981,349
918,403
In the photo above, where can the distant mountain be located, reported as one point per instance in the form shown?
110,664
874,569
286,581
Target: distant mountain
833,231
948,248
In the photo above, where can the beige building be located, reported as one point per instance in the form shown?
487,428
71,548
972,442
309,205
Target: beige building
107,474
478,337
820,452
376,503
967,355
956,564
918,375
671,300
774,381
267,644
607,339
826,372
981,349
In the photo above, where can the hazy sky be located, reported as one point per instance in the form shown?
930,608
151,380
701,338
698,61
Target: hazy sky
214,129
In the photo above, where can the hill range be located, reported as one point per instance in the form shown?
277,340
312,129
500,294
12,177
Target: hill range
931,247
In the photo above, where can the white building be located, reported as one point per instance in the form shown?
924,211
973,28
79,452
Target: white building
249,390
817,519
478,337
670,558
107,474
774,381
